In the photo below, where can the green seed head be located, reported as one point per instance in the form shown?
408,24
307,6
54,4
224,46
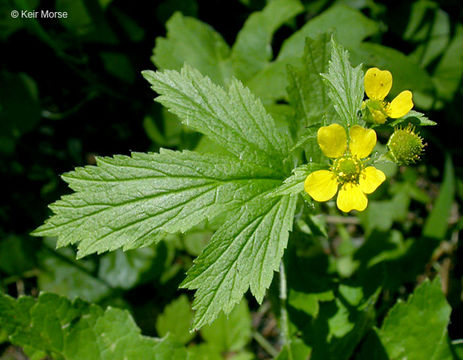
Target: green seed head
405,145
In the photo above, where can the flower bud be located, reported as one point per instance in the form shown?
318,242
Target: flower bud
405,146
373,111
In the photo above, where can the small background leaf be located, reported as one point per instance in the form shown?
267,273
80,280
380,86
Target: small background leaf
413,328
176,320
230,333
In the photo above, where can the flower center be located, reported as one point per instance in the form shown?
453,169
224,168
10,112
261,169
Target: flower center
347,169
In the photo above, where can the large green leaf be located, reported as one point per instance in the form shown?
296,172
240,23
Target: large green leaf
308,96
449,71
345,84
307,91
437,222
430,27
252,49
350,27
127,201
242,254
235,119
78,330
195,43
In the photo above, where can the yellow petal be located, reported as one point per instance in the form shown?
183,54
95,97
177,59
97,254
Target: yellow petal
362,141
377,83
332,140
350,197
370,179
401,105
321,185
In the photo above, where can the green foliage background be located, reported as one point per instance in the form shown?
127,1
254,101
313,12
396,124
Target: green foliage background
382,284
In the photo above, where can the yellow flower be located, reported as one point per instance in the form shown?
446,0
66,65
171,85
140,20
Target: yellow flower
347,170
378,83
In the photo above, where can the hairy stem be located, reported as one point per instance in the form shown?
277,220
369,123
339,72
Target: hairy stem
284,321
264,344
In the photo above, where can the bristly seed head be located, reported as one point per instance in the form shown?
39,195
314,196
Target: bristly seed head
405,145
